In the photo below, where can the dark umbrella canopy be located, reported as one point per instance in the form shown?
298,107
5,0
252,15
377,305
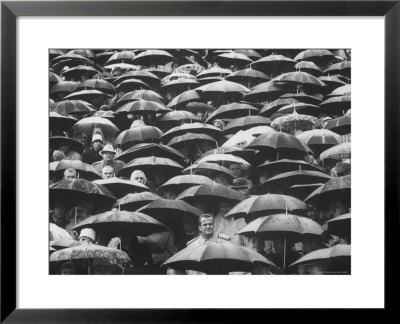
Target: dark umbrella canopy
212,192
73,107
190,139
133,201
121,223
285,165
233,110
120,188
87,125
281,182
179,183
341,125
258,206
151,149
141,106
59,122
216,258
150,164
85,171
340,226
197,128
136,135
338,188
57,141
302,191
210,170
170,212
80,189
135,95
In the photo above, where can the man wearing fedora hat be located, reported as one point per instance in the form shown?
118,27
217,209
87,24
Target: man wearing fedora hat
108,154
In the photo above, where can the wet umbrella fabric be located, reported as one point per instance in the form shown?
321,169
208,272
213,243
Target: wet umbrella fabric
121,223
135,135
340,226
208,169
80,189
338,188
337,152
120,187
60,122
216,258
341,125
337,251
57,141
211,192
197,128
67,107
149,164
268,204
89,252
132,202
84,170
87,125
182,182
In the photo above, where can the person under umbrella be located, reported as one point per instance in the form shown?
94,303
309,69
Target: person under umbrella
108,154
92,154
87,235
68,146
108,172
139,176
70,174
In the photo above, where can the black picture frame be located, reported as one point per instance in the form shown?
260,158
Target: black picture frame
10,10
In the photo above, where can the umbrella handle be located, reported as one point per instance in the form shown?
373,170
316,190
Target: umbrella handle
284,253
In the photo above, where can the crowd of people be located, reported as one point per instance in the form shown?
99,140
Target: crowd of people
200,161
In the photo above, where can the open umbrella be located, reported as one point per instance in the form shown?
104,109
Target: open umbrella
338,188
340,226
190,139
319,139
90,252
300,107
58,233
53,79
183,99
87,125
179,183
170,212
232,58
266,91
99,84
295,122
139,134
196,106
120,188
153,57
343,68
302,191
319,56
337,152
213,71
60,122
278,145
273,168
303,97
244,123
145,76
254,55
272,107
57,141
133,201
210,170
175,118
81,70
180,85
300,78
233,110
85,171
332,81
211,192
63,88
131,85
141,107
118,223
268,204
216,258
337,259
151,163
247,77
273,65
75,190
64,243
151,149
121,57
73,107
309,67
341,125
197,128
337,105
143,94
227,90
344,90
223,158
284,226
281,182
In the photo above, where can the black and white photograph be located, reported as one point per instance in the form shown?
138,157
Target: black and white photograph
199,161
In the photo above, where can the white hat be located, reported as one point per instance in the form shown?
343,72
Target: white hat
97,137
88,232
108,149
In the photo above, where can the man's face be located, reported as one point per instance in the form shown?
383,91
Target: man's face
70,175
139,178
108,156
60,213
97,146
206,227
236,170
108,173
